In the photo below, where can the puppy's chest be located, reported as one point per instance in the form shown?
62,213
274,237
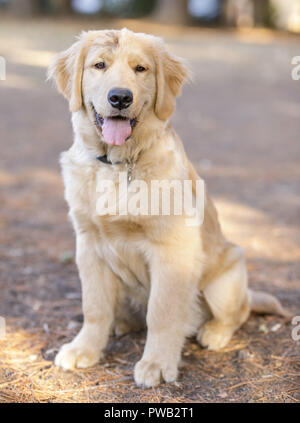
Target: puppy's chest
95,188
104,188
128,263
91,193
122,232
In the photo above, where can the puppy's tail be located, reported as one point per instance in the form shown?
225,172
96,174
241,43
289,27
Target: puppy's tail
261,302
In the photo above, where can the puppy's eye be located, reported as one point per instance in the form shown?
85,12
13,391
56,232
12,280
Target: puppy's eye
140,68
100,65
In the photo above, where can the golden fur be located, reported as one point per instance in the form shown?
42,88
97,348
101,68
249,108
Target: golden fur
185,280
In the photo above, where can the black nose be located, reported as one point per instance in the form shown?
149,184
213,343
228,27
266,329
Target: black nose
121,98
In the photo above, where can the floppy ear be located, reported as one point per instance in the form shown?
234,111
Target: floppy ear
171,73
67,70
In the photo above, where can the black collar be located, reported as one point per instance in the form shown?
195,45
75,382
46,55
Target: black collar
105,160
129,165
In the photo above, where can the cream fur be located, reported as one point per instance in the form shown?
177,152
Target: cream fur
135,269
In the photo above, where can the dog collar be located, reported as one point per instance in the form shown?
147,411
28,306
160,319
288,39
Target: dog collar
105,160
129,165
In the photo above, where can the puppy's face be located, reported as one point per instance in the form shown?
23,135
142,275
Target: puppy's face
119,78
119,83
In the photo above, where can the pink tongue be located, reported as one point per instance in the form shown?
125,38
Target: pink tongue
116,131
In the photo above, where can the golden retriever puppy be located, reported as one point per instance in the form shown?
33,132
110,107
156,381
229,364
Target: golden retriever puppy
155,269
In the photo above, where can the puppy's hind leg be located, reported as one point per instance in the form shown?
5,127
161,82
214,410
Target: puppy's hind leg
228,299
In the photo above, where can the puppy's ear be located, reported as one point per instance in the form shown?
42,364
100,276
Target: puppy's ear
67,70
171,73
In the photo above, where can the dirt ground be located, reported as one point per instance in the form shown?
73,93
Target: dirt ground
240,122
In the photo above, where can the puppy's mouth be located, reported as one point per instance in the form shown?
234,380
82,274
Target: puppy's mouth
116,130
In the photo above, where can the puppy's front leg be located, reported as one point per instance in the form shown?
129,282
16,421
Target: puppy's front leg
99,288
171,316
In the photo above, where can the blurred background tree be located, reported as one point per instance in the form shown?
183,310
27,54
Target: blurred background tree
281,14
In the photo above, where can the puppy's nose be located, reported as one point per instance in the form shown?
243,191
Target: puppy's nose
121,98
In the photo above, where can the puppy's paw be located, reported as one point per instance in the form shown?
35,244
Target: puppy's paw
149,373
71,356
214,336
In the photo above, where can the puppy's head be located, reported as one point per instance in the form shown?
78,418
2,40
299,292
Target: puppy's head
119,78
